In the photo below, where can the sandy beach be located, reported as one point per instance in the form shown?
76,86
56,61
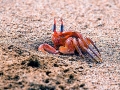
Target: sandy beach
25,24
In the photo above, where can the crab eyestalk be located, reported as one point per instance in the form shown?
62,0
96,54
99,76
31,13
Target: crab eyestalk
54,26
62,27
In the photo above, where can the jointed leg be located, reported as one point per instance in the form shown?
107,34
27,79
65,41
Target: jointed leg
86,49
76,44
88,42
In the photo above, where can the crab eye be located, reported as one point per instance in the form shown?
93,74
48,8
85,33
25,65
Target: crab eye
62,27
54,26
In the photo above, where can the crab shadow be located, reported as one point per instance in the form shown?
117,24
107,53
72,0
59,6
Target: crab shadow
35,45
86,58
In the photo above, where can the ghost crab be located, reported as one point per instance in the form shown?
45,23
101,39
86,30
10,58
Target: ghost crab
69,42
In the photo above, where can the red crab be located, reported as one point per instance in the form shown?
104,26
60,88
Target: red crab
69,42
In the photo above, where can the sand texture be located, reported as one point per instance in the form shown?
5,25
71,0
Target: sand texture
25,24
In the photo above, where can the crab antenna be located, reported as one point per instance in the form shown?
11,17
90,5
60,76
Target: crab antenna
54,26
62,27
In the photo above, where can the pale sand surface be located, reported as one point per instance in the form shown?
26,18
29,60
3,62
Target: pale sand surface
25,24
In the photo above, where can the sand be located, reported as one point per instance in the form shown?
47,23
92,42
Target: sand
25,24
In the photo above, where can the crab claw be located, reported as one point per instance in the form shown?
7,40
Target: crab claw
47,48
70,46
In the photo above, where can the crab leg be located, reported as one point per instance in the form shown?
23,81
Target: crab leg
88,42
85,49
47,48
77,47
